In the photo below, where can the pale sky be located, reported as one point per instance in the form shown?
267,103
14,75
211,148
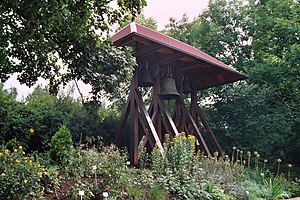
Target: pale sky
160,10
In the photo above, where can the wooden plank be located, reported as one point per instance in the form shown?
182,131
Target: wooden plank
208,129
196,129
124,118
146,51
166,126
167,116
146,131
187,68
170,59
134,132
142,144
147,119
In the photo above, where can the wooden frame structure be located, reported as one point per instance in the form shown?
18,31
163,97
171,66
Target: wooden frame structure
163,53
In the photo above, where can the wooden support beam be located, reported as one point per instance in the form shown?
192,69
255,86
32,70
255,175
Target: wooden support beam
196,129
209,131
142,144
145,115
147,132
134,136
134,124
170,59
146,51
167,116
195,66
124,118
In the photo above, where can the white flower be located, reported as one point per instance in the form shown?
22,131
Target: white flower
81,193
262,174
94,168
105,194
247,192
128,163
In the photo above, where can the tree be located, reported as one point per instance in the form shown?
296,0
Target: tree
260,38
65,40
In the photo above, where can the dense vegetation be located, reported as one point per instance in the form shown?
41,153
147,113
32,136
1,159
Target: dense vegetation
43,113
103,172
261,39
52,146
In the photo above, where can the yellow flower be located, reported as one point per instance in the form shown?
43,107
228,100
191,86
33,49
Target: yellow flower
23,152
1,154
31,130
6,151
17,161
38,165
25,181
191,137
3,174
15,150
40,173
216,154
20,147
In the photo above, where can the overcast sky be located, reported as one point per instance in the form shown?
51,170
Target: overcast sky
160,10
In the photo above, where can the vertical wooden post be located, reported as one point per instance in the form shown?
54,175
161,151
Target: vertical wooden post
156,92
134,135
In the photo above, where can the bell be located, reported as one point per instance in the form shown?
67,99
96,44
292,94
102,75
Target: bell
168,89
186,85
145,79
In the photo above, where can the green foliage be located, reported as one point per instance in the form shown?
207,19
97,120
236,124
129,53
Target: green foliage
38,39
260,38
21,174
12,144
14,118
276,189
44,113
157,192
61,147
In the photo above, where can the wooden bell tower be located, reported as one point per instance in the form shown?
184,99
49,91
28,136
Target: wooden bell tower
172,68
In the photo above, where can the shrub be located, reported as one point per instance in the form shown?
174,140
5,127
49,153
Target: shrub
12,144
61,147
20,175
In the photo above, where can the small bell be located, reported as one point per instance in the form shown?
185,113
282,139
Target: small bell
168,87
145,79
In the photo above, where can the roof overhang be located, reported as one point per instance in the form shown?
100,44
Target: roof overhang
164,50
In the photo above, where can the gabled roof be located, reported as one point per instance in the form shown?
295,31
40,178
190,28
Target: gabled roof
208,71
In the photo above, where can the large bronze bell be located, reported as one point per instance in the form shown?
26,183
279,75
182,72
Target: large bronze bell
186,85
145,79
168,87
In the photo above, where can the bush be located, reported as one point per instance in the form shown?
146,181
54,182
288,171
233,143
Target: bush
20,175
61,147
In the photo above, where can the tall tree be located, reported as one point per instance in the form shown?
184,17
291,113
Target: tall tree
64,40
260,38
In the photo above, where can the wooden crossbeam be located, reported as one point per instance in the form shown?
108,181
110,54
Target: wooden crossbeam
195,128
210,134
145,115
124,118
167,115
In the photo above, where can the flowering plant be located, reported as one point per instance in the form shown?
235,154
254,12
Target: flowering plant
19,173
